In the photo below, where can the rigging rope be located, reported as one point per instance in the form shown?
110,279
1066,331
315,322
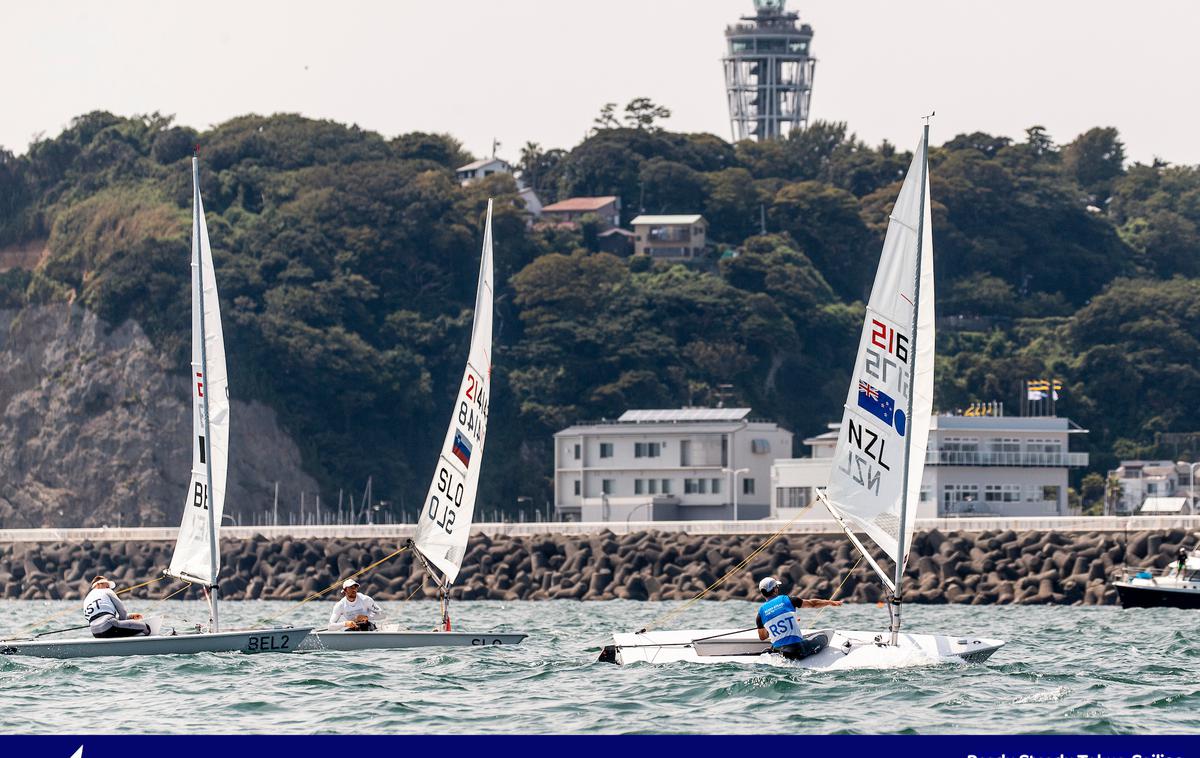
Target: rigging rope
741,565
68,611
316,595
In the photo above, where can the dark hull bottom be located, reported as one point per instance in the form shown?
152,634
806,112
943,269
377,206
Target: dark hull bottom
1150,597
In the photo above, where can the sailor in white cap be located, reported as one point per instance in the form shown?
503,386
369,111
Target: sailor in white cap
355,612
777,620
106,614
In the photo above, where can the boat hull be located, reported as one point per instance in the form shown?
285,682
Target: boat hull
1149,596
846,650
401,639
244,641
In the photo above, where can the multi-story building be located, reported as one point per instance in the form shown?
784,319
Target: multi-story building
667,465
679,237
974,466
1151,487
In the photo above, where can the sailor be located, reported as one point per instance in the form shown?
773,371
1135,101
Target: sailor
355,611
1181,556
777,620
106,613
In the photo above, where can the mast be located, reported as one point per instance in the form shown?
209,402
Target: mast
212,527
901,557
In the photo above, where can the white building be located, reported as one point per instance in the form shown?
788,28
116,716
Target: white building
974,465
667,465
1153,488
479,169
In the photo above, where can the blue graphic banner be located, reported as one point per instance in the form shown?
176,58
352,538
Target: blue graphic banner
492,746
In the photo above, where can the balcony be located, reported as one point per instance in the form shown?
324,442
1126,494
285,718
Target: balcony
989,458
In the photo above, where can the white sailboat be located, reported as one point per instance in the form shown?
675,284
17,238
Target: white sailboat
880,455
196,558
444,524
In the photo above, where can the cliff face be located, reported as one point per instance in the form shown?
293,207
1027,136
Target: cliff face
94,428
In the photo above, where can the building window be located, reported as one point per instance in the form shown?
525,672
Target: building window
1002,493
760,446
747,486
653,484
926,493
576,487
577,451
639,487
1050,493
793,497
666,486
685,453
606,450
690,487
606,486
647,449
716,486
702,486
1006,445
960,497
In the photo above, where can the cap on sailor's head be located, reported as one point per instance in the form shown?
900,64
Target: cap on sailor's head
349,583
768,585
102,580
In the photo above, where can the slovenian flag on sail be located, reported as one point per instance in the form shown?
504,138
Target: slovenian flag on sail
462,448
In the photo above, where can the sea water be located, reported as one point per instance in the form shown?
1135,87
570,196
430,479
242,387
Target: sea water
1064,669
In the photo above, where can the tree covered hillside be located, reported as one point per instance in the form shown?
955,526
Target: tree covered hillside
347,262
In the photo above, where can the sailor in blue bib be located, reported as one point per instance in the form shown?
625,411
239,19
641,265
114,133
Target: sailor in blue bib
777,622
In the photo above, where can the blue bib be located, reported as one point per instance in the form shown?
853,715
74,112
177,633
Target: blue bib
779,617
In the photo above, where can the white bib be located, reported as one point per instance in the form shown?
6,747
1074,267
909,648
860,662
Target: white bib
98,601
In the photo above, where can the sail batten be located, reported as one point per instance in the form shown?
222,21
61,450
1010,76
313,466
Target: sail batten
196,556
880,453
444,523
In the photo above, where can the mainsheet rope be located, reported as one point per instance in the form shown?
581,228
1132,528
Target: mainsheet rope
737,568
59,615
331,587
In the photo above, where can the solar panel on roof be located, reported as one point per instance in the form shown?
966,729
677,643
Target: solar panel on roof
685,414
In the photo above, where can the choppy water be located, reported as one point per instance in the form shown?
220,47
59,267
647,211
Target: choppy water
1066,669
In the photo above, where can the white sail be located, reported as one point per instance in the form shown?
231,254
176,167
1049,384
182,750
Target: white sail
196,558
881,442
445,520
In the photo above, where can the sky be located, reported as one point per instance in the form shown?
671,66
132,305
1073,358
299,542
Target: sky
537,70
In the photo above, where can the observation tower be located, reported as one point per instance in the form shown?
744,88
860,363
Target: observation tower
768,72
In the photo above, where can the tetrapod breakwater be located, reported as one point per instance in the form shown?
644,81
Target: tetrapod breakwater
988,567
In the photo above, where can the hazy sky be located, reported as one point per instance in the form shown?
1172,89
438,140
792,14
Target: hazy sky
538,70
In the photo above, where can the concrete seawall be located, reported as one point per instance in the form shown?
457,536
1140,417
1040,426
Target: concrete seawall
398,534
992,566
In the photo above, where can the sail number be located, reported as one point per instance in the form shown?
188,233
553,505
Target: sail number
200,496
473,410
452,495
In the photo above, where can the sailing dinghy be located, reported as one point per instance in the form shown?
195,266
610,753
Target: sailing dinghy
196,558
879,459
445,520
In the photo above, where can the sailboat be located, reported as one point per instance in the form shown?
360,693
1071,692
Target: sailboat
876,479
444,525
196,558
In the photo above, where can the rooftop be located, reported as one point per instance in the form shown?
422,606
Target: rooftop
580,204
475,165
685,414
694,218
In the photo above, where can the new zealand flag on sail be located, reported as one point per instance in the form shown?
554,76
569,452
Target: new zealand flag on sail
462,448
880,405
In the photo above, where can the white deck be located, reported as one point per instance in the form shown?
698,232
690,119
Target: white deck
846,649
398,639
278,640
